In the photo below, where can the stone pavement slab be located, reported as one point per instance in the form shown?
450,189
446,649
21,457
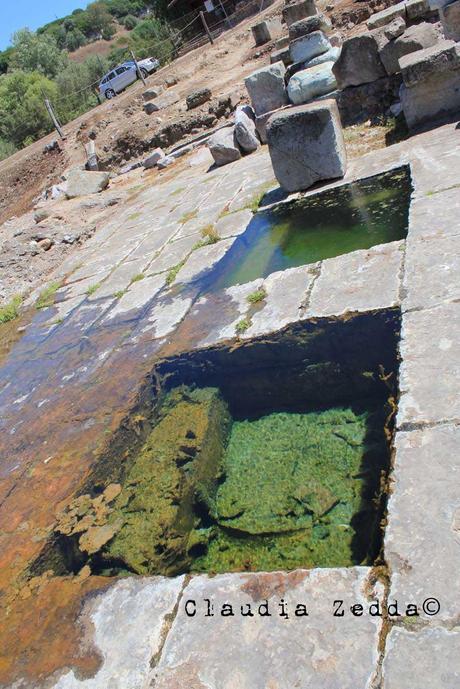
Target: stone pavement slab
258,652
422,540
419,659
136,298
202,260
430,368
432,270
127,625
233,224
286,293
358,281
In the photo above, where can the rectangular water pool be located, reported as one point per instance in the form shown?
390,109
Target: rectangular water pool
355,216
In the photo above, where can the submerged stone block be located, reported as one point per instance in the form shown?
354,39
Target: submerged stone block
306,145
266,88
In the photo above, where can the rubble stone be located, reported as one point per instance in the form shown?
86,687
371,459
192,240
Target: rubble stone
153,158
359,62
82,182
261,33
245,129
197,98
282,55
306,145
152,93
266,88
224,146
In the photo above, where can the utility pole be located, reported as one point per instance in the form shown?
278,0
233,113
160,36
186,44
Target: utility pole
206,27
139,73
54,119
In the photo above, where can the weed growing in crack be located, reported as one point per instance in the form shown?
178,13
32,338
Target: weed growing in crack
47,296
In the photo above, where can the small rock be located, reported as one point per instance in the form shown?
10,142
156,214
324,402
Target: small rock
45,244
224,146
164,162
152,93
40,214
112,491
69,239
153,158
170,81
197,98
245,129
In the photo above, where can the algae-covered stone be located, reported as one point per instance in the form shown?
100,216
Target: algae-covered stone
178,464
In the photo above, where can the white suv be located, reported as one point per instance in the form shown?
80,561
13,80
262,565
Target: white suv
124,75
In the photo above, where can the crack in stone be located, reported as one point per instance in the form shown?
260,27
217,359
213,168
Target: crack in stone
425,425
304,305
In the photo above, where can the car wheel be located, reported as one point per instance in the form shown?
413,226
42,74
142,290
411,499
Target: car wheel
144,73
109,94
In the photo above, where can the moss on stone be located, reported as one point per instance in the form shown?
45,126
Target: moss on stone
177,467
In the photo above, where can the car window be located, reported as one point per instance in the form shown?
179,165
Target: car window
104,80
111,75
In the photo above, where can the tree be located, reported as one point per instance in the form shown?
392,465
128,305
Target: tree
23,116
37,53
130,21
152,37
96,19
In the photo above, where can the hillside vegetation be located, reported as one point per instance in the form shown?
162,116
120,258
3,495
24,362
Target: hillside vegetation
37,65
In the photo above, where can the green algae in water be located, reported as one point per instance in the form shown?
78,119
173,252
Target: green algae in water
356,216
285,490
297,489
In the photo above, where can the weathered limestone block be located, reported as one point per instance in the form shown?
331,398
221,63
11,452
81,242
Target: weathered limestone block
450,20
197,98
306,145
368,279
262,120
153,158
431,86
311,82
224,146
332,55
245,129
438,4
317,22
82,182
359,62
283,55
282,42
417,8
386,33
387,15
311,45
202,260
414,38
294,652
261,33
424,517
428,376
266,88
423,658
294,11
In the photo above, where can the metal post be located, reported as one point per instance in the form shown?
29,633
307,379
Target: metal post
141,76
206,27
54,119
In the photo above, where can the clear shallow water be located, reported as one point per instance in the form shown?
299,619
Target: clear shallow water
356,216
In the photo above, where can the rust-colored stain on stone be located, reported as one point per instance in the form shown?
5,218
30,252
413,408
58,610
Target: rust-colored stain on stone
264,586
